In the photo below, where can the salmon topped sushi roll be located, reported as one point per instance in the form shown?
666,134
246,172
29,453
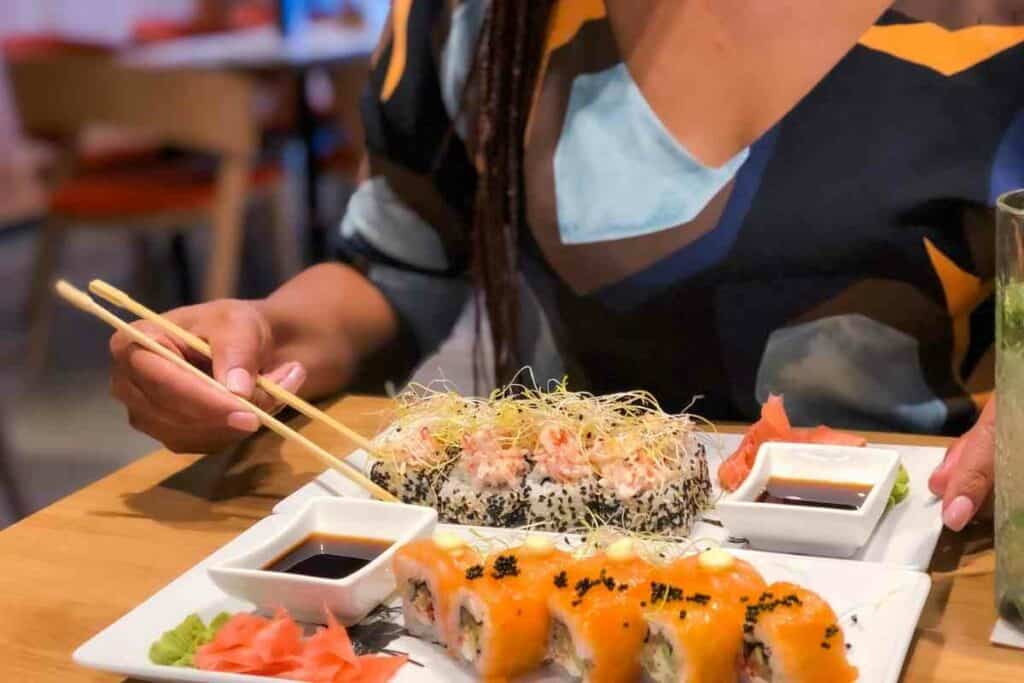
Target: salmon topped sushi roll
792,636
427,574
597,627
695,618
499,618
693,642
716,572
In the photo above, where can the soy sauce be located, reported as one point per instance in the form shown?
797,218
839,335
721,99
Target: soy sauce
326,556
835,495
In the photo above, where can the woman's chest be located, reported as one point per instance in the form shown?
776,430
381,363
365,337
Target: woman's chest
887,133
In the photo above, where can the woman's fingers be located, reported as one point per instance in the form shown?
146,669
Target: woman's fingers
939,479
289,376
240,340
969,479
177,392
173,431
180,409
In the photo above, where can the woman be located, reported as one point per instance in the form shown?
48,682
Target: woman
721,199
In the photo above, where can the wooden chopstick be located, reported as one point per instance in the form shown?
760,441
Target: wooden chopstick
82,300
122,300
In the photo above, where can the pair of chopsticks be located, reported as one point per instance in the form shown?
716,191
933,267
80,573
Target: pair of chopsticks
83,301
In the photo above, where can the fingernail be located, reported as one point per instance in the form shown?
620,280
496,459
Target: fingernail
294,379
243,421
239,381
958,513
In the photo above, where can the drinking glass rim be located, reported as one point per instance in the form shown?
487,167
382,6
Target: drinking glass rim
1017,208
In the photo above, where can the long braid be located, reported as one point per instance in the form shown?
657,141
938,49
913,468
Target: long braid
510,55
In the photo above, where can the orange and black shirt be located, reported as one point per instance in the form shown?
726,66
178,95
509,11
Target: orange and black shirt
844,259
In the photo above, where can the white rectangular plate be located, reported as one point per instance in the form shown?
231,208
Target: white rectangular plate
905,537
887,602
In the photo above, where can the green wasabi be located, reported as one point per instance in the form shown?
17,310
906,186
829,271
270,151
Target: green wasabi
177,646
900,488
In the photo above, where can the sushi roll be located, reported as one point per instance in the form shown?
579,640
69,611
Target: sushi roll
718,573
597,627
499,619
562,483
695,619
696,642
791,635
427,574
645,494
415,486
486,487
556,460
412,464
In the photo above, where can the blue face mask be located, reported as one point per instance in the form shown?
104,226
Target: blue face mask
618,172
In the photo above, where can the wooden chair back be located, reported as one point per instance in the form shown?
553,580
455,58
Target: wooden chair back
205,111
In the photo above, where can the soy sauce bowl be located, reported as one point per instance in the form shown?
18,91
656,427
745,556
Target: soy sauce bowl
349,598
807,529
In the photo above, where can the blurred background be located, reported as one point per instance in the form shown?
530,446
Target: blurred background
182,150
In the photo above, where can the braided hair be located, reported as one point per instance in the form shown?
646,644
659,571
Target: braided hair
507,65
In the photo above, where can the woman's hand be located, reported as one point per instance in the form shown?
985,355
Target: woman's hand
179,410
320,324
965,477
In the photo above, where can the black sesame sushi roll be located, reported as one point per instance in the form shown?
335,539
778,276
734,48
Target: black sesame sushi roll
486,486
644,494
562,482
411,463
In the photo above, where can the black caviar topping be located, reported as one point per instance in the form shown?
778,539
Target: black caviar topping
583,586
699,598
576,603
744,598
831,631
505,565
625,624
474,572
682,614
853,618
623,587
825,646
848,646
663,592
561,579
768,603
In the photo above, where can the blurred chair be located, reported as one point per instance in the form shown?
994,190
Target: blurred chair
203,112
10,495
20,46
210,16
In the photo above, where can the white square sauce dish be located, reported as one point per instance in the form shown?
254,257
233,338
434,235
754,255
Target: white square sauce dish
810,498
335,553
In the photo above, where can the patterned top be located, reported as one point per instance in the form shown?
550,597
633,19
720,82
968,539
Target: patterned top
844,259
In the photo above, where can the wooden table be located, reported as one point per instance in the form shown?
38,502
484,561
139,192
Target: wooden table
77,566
